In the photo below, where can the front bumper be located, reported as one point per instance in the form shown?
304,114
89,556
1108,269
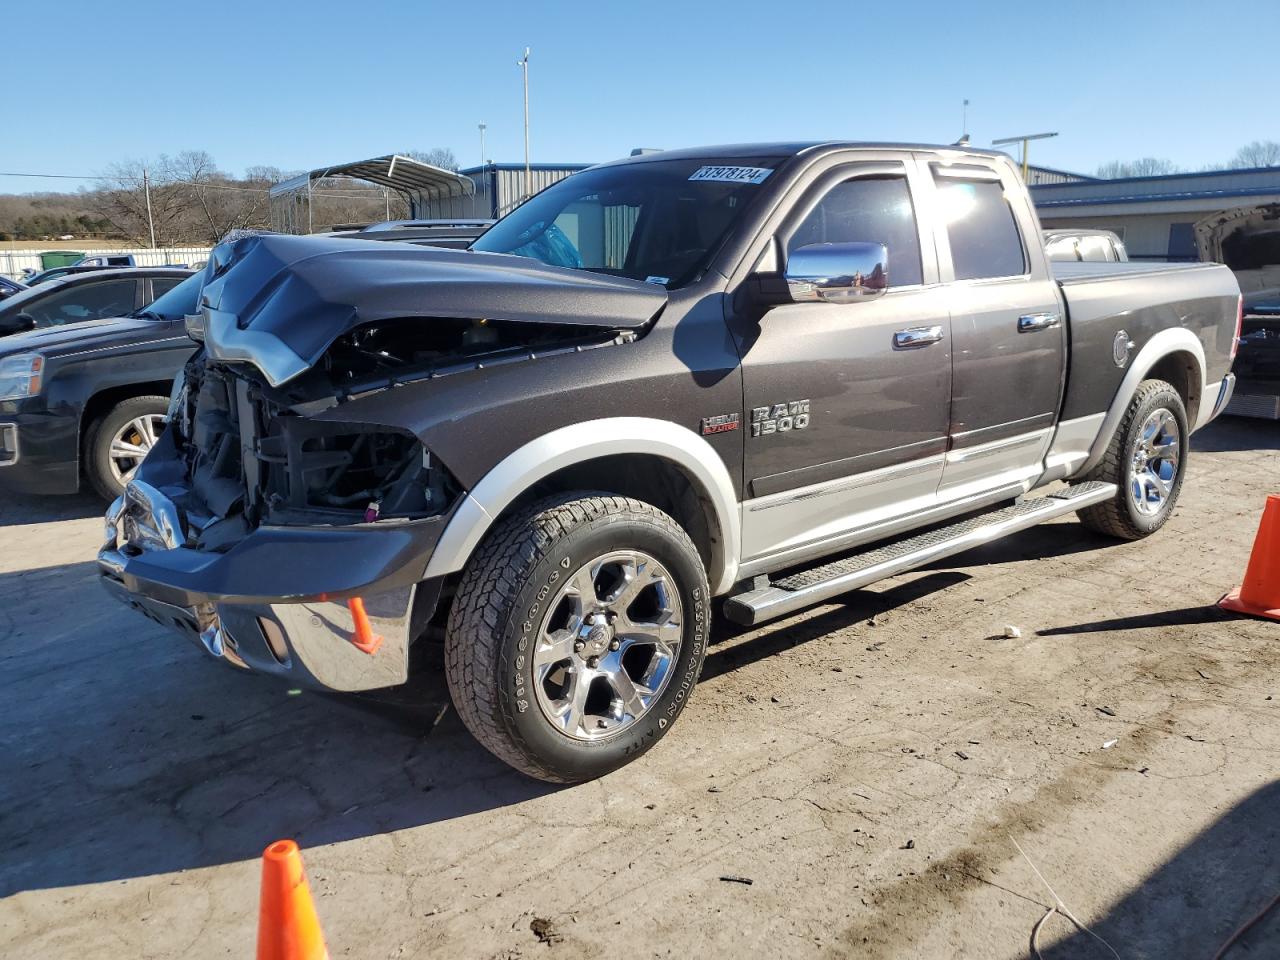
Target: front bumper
39,453
278,601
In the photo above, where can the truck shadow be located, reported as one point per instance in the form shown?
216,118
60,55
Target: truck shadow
17,509
1237,433
1189,906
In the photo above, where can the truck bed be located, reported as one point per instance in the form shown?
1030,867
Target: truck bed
1140,300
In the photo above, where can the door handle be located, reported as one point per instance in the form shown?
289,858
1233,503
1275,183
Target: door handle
1037,321
916,337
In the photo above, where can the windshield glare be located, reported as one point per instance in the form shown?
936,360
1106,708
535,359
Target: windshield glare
658,221
178,302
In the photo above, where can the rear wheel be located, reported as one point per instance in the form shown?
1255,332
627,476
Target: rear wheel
120,439
577,635
1146,459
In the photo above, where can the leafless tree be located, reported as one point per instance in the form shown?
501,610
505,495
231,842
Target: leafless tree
1259,153
1146,167
441,157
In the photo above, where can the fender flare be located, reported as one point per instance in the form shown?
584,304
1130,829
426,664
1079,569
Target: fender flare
591,440
1164,343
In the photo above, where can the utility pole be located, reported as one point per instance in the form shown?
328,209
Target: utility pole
524,65
1026,169
146,189
482,129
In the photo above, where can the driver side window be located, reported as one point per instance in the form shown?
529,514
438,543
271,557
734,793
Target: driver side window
870,210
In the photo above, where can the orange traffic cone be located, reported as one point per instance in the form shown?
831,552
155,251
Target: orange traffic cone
288,928
364,639
1259,595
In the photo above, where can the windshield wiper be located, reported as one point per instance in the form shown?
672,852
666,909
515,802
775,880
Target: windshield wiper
147,315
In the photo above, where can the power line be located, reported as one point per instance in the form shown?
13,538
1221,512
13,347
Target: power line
371,195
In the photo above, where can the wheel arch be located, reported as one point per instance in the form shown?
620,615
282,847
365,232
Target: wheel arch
654,460
1175,355
100,403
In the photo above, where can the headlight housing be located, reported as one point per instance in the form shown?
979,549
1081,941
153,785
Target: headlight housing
21,375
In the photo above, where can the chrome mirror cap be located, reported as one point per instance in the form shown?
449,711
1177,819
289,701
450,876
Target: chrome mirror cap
838,272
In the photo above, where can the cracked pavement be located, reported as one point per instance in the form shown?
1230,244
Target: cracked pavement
820,757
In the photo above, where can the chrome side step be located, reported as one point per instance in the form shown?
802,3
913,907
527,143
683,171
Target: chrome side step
812,586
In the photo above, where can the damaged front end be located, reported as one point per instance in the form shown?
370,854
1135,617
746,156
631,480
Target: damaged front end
284,544
270,522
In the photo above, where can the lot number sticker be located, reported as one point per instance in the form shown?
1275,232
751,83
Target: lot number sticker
732,174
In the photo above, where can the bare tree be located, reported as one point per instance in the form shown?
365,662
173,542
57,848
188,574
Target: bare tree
122,202
1146,167
1259,153
218,204
441,157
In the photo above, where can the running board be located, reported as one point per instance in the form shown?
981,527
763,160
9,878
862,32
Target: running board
812,586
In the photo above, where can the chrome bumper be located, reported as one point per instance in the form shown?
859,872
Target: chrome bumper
312,638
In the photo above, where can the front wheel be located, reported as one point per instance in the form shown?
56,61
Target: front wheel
120,439
577,635
1146,460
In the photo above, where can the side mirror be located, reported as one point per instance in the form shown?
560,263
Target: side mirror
20,323
838,272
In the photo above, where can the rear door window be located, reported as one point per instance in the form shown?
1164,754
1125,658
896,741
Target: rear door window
981,227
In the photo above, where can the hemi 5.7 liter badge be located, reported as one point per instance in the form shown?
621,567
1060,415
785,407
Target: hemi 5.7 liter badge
779,418
719,424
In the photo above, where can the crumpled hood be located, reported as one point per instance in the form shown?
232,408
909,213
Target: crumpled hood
278,302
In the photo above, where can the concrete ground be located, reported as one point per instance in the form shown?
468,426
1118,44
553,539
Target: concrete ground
876,768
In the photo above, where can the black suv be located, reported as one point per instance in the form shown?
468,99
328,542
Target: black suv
92,295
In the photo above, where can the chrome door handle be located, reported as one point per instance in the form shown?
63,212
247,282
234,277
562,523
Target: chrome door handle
1037,321
916,337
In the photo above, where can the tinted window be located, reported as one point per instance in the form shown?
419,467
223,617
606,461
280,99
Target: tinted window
162,285
85,301
869,210
981,227
180,301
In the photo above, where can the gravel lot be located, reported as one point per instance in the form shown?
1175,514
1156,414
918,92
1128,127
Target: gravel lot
869,766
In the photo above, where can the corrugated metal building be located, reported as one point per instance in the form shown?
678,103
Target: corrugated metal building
499,188
1038,175
1157,216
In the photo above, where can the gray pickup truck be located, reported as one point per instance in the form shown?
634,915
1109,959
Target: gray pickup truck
753,376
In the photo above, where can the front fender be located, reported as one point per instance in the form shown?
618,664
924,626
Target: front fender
591,440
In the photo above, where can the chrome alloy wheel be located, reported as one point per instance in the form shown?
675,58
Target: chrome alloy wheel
132,443
1154,466
608,645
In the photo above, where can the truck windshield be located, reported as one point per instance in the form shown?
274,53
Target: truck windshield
659,220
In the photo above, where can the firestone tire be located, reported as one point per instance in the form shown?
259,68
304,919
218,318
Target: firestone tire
1147,485
555,565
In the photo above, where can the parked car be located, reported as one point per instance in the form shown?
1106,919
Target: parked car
85,401
1087,246
9,287
107,260
86,296
57,273
760,376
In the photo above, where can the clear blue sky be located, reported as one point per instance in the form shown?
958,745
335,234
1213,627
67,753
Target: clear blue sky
295,85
